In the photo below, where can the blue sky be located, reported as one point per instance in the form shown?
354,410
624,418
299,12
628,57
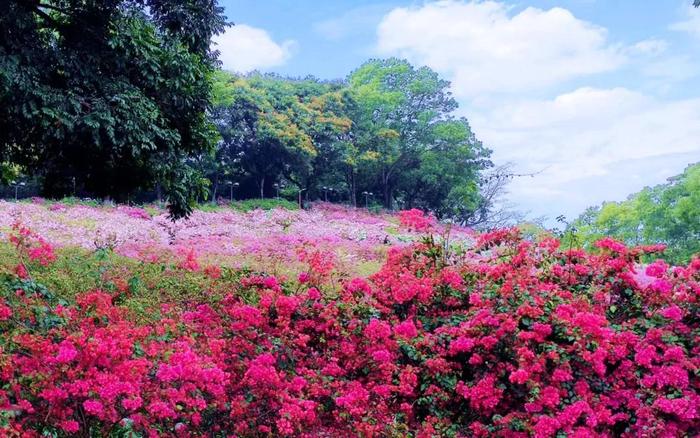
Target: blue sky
599,96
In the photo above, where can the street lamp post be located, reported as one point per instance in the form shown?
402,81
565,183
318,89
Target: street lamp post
301,204
367,195
232,185
277,188
17,186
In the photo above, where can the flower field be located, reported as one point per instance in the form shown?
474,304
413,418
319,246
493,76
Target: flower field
114,322
268,240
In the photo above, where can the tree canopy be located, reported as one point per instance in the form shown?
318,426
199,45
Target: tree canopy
422,155
667,213
109,94
389,130
120,98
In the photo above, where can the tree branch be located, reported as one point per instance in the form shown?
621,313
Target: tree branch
53,8
56,24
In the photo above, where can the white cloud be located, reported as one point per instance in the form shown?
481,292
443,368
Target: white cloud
485,48
508,70
592,145
651,47
245,48
691,24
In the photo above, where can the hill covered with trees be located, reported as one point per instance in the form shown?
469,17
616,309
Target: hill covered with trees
387,133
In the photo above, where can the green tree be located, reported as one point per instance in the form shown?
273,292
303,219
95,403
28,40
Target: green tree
274,129
446,178
113,93
258,137
406,132
389,130
667,213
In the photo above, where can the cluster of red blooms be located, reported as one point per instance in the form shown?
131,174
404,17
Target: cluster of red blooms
320,265
30,247
513,339
416,220
135,212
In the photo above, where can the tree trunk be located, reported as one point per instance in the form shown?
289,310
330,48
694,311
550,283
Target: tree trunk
386,189
262,188
350,178
215,188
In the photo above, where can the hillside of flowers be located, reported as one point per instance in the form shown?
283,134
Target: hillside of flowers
269,239
454,334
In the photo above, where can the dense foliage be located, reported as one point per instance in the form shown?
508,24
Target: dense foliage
388,134
274,130
667,213
509,338
108,96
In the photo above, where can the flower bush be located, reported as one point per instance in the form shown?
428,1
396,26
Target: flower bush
510,338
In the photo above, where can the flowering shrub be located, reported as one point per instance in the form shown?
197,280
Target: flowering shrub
30,247
417,220
512,338
134,212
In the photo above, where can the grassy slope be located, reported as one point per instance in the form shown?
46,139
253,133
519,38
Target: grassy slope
142,287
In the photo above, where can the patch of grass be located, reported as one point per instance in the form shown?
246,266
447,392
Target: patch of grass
209,207
139,286
153,210
367,268
247,205
78,201
264,204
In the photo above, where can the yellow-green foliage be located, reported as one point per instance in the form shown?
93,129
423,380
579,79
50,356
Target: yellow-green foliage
533,231
667,213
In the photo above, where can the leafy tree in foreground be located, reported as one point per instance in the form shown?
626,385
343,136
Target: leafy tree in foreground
112,93
667,213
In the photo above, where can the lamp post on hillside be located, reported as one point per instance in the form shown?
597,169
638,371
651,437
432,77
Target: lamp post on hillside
232,184
367,195
277,188
301,203
17,185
